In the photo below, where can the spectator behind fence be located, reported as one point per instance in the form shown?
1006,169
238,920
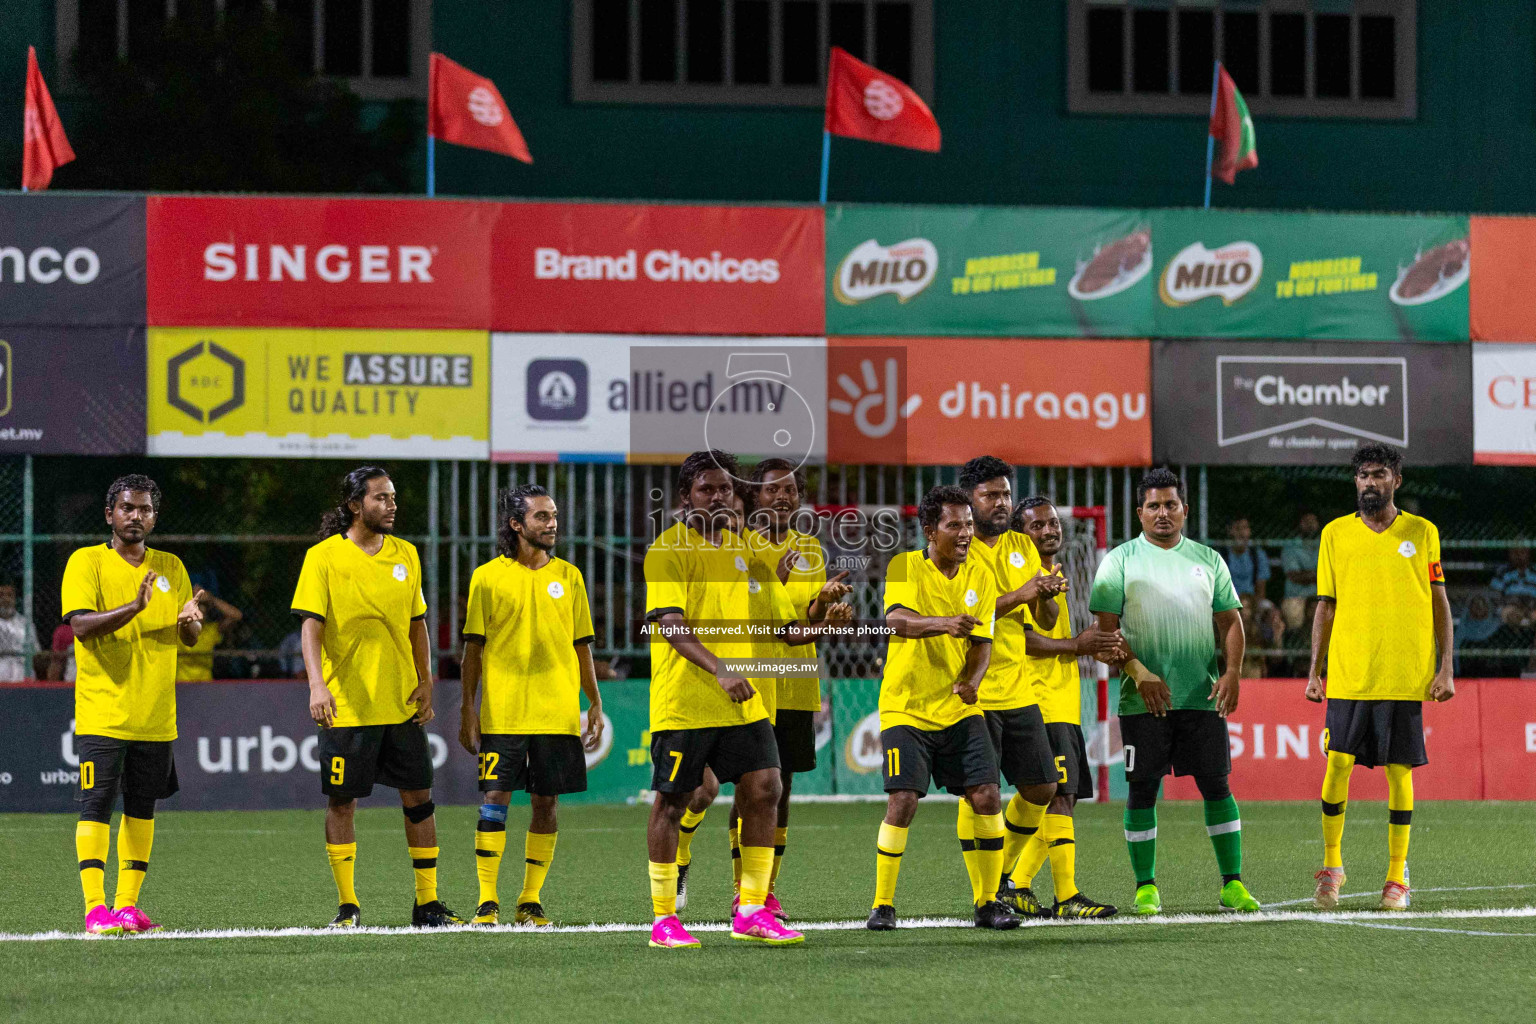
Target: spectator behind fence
1299,560
290,656
195,664
1515,583
1265,630
1248,565
61,667
16,635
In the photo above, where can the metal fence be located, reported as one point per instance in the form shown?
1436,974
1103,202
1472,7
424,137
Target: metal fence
242,525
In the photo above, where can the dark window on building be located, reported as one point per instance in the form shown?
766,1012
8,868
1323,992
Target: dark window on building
1197,51
1378,58
1106,49
1331,44
343,38
706,41
658,40
1240,49
752,42
800,42
610,40
98,30
845,27
893,38
391,39
1149,54
1287,54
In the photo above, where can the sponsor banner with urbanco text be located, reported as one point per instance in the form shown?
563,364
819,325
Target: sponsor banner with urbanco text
319,393
1269,403
72,390
1034,402
658,269
71,261
1006,271
655,398
1504,404
1349,277
288,262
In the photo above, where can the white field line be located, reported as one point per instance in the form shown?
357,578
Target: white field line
1263,917
1443,888
1452,931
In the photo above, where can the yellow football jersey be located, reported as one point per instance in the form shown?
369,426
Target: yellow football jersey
529,622
769,607
1383,643
195,664
795,693
125,681
1014,561
366,604
1056,679
712,588
915,687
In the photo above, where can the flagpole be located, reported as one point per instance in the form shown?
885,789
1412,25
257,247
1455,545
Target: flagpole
826,160
1210,140
432,167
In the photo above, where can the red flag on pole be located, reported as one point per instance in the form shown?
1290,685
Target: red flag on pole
44,145
467,110
1232,128
863,103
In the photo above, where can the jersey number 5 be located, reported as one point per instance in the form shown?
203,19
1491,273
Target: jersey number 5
1061,768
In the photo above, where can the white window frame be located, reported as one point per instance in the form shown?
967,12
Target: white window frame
1404,106
585,90
366,86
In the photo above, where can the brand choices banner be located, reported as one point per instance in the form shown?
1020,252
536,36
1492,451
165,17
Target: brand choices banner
75,261
1302,275
657,269
71,391
926,270
921,401
322,393
1504,404
1309,403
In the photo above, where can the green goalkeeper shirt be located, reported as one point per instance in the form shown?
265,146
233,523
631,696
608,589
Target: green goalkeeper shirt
1165,599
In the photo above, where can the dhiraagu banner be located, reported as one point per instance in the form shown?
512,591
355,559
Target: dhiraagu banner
1348,277
411,394
1006,271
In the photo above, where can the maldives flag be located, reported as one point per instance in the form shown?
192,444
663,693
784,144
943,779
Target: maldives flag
467,110
44,145
1232,129
863,103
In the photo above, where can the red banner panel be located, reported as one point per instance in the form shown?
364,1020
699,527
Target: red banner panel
256,262
1509,738
921,401
1503,253
597,267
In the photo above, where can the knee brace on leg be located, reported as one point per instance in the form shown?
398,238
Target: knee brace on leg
420,813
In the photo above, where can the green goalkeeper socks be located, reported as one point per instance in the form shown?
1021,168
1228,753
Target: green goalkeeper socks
1141,840
1225,828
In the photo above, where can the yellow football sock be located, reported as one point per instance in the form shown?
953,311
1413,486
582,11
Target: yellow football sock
663,889
888,850
424,864
756,870
989,854
93,841
538,852
1061,836
1335,802
1022,856
135,838
780,840
343,858
685,831
735,835
1399,820
965,829
490,847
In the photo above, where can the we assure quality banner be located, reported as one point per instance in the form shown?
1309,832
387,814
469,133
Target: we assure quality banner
318,393
946,270
1302,275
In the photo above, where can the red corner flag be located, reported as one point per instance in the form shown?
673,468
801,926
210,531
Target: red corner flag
44,145
467,110
863,103
1232,128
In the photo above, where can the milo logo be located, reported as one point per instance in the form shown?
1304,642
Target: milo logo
871,269
1196,273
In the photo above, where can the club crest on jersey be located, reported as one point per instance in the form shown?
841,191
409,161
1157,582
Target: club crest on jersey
1016,559
1406,549
555,589
803,564
398,572
752,585
741,564
1197,571
163,585
971,597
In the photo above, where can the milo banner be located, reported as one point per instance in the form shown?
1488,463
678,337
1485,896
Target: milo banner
1010,271
1351,277
320,394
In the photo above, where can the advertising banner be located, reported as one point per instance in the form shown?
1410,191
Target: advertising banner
319,394
71,390
1353,277
74,261
270,262
1507,710
921,401
1504,404
1309,403
1502,252
926,270
658,269
612,397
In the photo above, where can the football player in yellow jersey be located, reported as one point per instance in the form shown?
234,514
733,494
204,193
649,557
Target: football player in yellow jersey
940,605
1381,646
528,634
1051,666
1007,698
130,608
700,581
366,654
